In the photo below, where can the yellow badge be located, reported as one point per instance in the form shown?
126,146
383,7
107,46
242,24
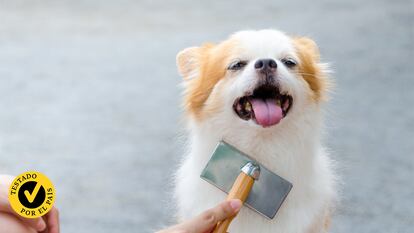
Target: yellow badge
31,194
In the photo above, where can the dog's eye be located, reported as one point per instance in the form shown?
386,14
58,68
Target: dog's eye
289,62
237,65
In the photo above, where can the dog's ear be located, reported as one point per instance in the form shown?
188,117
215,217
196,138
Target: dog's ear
188,62
307,46
314,73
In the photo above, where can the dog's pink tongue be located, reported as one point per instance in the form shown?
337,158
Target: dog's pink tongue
267,112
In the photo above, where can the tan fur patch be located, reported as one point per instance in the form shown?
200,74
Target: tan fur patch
211,65
321,223
327,223
309,67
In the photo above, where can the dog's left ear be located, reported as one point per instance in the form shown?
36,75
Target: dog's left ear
188,62
307,46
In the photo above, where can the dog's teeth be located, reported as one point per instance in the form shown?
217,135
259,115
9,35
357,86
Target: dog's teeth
248,106
278,102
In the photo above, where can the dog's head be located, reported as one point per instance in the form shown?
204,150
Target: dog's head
254,78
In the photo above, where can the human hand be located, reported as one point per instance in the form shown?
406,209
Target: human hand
206,221
48,223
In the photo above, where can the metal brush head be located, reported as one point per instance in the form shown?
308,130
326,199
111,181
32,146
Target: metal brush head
269,190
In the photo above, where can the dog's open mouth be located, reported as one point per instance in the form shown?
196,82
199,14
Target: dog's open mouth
266,106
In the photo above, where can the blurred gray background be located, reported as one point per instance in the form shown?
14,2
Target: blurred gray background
89,96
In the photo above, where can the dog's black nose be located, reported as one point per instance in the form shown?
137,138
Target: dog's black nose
265,65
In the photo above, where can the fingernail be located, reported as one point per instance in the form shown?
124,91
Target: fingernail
235,204
41,226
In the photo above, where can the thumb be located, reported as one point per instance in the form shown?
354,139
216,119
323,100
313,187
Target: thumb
223,210
207,220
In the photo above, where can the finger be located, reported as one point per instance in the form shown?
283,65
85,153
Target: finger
10,224
207,220
52,221
36,223
6,179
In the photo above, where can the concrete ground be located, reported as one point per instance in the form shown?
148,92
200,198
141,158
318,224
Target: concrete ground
89,95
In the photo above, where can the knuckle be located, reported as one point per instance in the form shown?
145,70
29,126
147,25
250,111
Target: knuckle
224,208
209,217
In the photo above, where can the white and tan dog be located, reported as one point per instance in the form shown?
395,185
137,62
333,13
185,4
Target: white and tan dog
260,91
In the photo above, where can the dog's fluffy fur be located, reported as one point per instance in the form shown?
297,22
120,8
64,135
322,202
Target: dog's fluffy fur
291,148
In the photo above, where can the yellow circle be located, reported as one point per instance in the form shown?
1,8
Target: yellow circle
31,194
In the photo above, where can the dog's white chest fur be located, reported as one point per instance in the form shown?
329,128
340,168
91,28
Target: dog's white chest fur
303,162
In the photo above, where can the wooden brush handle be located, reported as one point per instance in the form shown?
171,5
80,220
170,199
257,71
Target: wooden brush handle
240,190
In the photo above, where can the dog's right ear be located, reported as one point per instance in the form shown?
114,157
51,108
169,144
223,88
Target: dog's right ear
188,62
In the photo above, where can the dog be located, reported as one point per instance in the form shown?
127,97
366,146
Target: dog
263,92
